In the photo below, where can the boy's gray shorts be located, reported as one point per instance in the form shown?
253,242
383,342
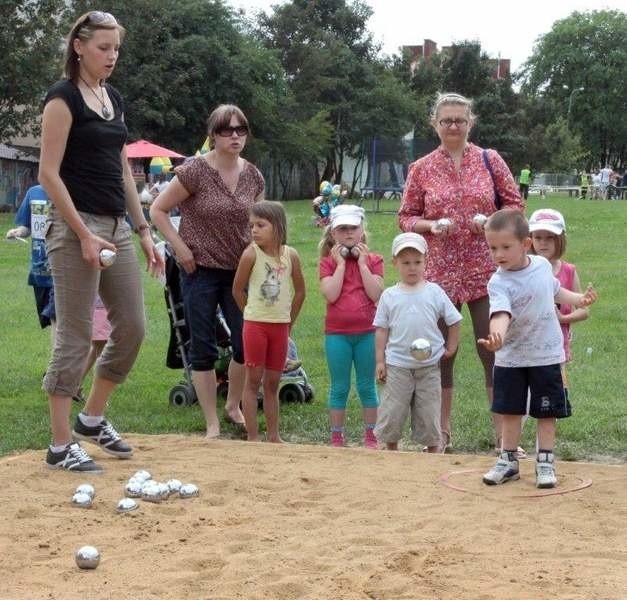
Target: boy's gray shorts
410,392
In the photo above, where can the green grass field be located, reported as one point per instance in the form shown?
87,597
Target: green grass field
597,430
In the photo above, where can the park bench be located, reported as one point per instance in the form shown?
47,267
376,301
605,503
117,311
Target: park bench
571,189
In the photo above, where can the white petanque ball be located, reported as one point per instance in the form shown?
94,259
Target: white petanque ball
164,490
127,505
420,349
151,492
107,257
441,224
174,485
87,557
86,488
133,489
479,219
81,500
142,476
189,490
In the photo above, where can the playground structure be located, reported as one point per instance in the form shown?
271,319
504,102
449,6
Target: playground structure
387,168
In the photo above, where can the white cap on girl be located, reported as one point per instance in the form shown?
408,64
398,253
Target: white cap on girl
547,219
346,214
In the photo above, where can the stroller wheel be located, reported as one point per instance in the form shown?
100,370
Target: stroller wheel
183,395
292,392
309,393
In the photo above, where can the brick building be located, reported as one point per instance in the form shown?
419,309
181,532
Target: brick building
500,66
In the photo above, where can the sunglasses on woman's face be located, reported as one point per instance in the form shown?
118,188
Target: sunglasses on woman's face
240,130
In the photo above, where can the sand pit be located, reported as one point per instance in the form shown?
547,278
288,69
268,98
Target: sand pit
312,522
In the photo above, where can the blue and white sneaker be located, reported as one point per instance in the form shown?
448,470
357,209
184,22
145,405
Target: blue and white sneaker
545,470
505,469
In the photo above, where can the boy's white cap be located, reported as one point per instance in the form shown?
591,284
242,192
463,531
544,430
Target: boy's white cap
346,214
409,240
547,219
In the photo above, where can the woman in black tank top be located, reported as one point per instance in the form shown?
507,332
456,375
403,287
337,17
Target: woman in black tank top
86,174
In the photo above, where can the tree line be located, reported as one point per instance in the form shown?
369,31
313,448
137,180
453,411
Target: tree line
317,88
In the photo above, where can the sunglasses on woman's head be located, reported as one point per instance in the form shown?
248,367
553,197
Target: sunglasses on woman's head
240,130
97,17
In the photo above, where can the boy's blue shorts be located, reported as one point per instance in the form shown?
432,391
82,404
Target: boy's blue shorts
546,387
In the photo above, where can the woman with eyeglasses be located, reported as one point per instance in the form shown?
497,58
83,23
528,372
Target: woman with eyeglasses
447,196
214,193
84,170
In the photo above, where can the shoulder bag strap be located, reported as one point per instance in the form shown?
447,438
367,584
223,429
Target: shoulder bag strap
497,199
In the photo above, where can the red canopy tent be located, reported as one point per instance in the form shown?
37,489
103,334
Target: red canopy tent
144,149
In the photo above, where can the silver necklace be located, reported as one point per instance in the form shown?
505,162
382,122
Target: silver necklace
106,113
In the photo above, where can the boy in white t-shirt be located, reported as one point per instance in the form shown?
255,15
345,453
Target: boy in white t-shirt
526,336
407,311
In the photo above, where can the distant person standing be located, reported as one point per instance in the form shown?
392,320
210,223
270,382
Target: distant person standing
596,192
30,220
612,190
523,182
584,183
605,179
159,186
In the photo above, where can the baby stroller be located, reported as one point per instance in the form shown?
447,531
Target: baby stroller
293,387
184,394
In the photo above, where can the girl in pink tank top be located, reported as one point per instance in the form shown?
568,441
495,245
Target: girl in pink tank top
548,235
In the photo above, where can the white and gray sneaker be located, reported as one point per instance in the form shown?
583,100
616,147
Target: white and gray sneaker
103,435
545,470
72,458
505,469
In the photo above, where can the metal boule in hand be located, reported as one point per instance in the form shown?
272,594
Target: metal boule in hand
107,257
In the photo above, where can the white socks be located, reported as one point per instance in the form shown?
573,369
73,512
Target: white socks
90,421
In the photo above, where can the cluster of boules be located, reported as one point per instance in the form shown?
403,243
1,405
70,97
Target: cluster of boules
140,485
